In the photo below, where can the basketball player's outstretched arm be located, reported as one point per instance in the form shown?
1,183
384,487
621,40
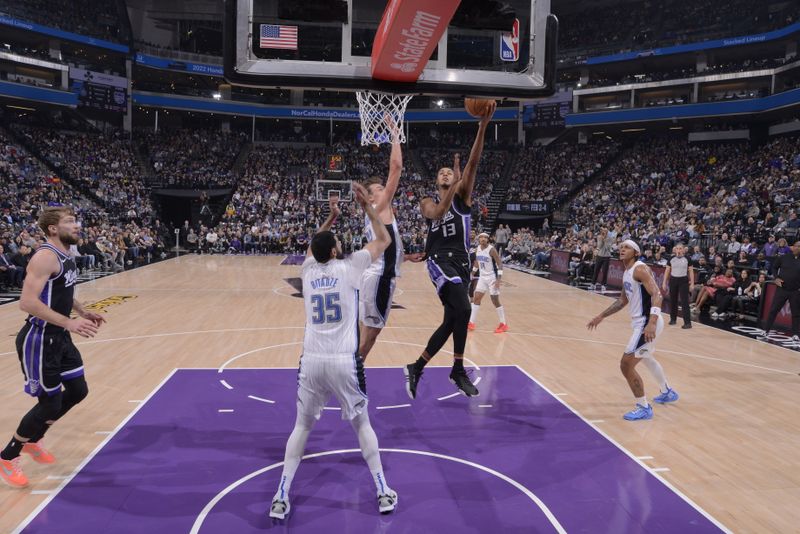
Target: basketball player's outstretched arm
382,239
393,180
333,203
41,267
618,304
644,275
471,168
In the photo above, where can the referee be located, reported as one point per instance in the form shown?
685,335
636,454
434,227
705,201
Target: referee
786,270
680,277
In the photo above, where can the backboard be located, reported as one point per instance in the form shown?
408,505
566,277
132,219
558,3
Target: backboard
490,48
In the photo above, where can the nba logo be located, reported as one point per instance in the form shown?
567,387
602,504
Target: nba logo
509,44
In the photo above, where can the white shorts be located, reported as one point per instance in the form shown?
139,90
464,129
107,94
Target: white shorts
487,284
637,344
375,299
321,377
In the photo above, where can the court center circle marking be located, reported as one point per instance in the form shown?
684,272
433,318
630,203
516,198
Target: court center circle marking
198,523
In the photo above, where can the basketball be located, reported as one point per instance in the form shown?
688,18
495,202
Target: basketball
477,107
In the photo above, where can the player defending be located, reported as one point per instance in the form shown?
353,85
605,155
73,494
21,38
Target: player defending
490,268
447,255
51,364
330,364
641,291
379,280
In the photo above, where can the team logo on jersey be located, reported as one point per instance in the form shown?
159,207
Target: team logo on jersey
438,222
628,287
70,278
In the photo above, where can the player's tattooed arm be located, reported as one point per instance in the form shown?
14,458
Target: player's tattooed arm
614,308
618,304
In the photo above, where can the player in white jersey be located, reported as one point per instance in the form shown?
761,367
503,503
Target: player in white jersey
490,268
641,292
330,364
379,280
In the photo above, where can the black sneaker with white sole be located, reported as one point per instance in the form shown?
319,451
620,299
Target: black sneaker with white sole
280,509
461,380
412,379
387,502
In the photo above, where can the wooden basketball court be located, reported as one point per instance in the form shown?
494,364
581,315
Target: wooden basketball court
729,444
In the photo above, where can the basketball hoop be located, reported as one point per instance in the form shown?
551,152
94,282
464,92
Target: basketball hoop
342,189
375,108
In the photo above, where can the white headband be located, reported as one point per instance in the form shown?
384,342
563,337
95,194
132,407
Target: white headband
633,245
484,233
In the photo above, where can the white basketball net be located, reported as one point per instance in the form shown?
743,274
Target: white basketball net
381,117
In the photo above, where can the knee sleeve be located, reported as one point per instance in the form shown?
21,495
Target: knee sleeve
35,421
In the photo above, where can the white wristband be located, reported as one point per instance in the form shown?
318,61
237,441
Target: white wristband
655,311
500,272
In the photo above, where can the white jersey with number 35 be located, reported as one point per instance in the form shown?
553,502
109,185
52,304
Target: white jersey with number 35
330,293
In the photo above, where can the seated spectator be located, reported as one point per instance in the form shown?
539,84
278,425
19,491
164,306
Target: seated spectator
752,295
724,297
10,274
723,282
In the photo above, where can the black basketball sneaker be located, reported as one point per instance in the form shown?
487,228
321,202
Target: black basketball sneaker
412,379
461,380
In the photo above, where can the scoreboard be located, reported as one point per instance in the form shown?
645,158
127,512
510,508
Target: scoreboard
529,207
102,97
99,90
550,115
335,163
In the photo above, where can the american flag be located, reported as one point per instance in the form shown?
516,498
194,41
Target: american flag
278,36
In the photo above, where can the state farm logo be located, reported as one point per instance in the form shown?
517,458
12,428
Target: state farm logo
410,50
404,67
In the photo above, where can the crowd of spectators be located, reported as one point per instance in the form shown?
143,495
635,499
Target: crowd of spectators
108,242
105,165
275,208
551,173
193,159
651,75
735,207
625,26
93,18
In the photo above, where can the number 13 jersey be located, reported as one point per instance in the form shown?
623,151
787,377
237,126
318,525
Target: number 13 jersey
449,236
